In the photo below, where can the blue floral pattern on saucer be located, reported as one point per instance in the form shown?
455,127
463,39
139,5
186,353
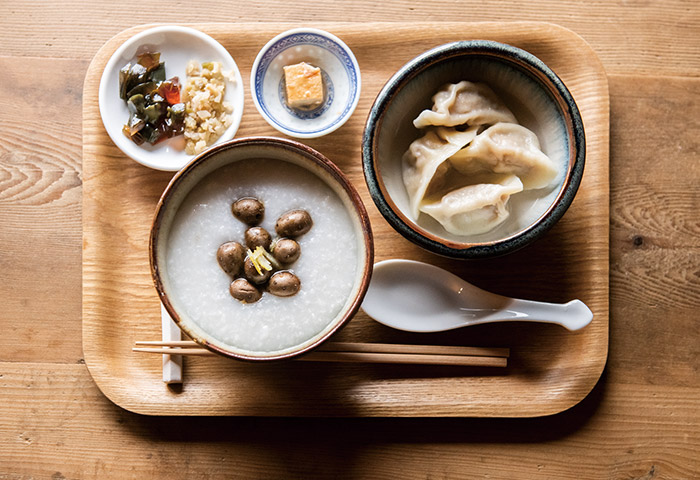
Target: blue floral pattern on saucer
341,77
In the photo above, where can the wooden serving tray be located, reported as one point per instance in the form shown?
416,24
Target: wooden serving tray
550,369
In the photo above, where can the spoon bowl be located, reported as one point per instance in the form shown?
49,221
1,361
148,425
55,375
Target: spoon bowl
419,297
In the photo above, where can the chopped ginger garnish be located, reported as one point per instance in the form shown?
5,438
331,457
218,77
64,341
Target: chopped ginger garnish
262,259
259,259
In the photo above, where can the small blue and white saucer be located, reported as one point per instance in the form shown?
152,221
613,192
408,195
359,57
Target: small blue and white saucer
339,70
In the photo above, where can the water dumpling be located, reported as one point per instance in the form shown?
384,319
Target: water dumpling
424,161
474,209
472,157
507,148
465,103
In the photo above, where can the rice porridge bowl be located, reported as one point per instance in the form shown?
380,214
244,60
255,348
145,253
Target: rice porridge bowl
330,267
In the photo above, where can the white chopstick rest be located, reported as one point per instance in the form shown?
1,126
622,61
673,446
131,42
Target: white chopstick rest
172,364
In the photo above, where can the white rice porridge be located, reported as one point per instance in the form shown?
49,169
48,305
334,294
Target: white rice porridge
326,268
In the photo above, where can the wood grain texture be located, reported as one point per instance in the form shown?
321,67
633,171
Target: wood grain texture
655,228
619,434
642,420
544,377
40,196
634,36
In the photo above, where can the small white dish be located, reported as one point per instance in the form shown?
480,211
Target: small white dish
177,46
341,78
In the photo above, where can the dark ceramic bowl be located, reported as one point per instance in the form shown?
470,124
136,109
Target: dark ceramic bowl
245,164
532,91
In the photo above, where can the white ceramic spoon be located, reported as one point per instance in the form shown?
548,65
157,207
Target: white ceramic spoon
418,297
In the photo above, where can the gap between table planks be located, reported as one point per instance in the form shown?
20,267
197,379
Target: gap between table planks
550,369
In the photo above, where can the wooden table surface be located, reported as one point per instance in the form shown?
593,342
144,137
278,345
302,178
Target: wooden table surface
641,421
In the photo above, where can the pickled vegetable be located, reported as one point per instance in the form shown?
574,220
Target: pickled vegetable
155,110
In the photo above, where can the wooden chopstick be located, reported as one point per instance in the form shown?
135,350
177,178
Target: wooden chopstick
367,347
349,352
174,343
405,358
408,349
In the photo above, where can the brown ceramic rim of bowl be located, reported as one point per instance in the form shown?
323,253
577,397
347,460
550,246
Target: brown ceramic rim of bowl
324,163
531,67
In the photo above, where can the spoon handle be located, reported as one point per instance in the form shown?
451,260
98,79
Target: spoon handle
573,315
